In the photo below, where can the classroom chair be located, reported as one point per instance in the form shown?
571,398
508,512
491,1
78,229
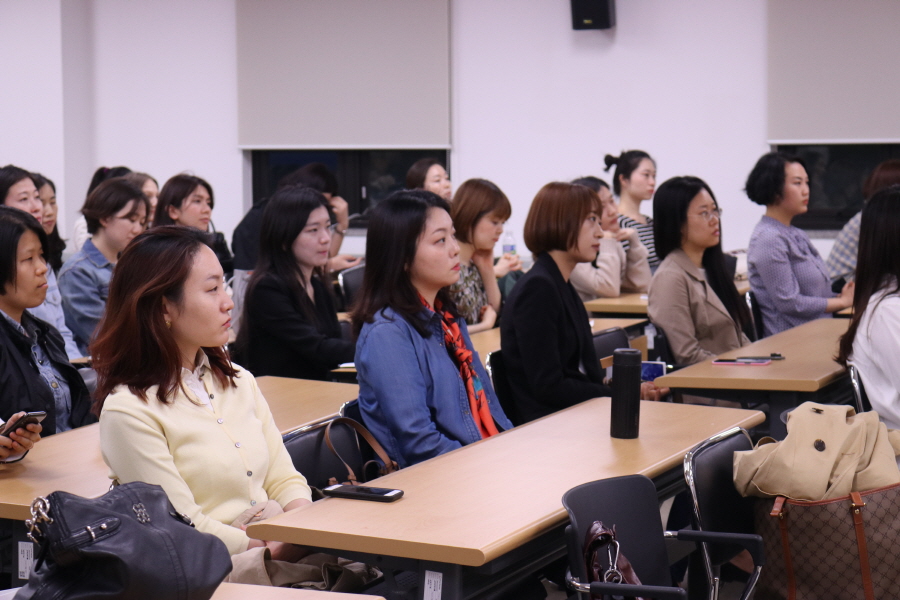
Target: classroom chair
756,314
609,340
350,281
315,461
496,370
717,506
859,392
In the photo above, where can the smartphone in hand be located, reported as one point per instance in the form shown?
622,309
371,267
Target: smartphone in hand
22,422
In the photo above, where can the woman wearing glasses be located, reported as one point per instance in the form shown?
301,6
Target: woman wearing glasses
289,327
691,297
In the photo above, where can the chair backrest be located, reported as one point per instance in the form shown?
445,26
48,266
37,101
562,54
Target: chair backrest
662,347
709,473
609,340
90,380
496,368
351,410
238,290
756,313
859,391
350,281
631,504
313,459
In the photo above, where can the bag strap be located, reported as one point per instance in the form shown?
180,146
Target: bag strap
856,506
779,512
389,465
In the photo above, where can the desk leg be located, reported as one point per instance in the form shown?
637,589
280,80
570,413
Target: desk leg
778,403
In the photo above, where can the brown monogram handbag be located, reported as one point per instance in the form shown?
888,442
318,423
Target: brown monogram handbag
847,547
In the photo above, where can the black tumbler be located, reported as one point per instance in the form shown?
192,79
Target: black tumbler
625,417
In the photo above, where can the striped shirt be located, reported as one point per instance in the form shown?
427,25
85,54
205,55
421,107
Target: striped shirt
645,233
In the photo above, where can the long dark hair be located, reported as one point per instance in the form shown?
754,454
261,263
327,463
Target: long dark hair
132,345
55,244
395,226
877,261
670,213
284,217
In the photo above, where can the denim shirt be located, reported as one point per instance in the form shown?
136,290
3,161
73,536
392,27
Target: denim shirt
51,312
62,395
411,394
84,282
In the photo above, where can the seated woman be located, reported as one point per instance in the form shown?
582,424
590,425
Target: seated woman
55,244
148,185
18,190
429,174
872,341
633,182
35,373
15,444
692,298
116,213
479,211
289,327
80,233
174,411
188,200
618,267
422,388
787,275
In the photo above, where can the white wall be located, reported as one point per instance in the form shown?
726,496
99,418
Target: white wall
535,101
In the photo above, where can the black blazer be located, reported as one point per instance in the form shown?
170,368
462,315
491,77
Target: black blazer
545,337
21,385
284,342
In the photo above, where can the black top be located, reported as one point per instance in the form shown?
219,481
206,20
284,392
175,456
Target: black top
21,385
282,340
547,344
245,239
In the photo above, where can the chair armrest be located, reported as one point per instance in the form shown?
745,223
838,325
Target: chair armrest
749,541
598,588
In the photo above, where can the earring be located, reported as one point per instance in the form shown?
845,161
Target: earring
168,324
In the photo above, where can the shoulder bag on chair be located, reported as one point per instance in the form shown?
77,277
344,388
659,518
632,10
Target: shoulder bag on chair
371,469
128,543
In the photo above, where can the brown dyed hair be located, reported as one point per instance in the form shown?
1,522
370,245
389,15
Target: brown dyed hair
556,214
133,346
474,199
109,198
884,175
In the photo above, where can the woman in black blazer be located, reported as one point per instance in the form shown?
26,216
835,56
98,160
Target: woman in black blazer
289,327
545,332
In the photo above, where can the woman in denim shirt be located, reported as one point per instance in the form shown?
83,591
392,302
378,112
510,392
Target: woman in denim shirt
787,275
422,388
116,213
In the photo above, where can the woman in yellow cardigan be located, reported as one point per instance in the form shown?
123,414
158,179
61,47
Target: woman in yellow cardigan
174,411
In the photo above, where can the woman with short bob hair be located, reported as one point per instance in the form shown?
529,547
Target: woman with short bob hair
422,388
545,335
479,211
35,373
115,213
289,327
871,342
788,277
692,298
174,411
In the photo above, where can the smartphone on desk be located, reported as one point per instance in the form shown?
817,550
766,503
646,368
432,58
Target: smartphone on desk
361,492
23,421
751,361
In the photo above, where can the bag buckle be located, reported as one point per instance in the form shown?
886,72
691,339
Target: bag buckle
613,574
40,507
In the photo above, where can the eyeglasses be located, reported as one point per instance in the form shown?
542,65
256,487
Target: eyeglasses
707,215
331,229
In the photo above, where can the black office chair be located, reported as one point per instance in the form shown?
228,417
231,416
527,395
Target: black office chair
859,391
756,313
350,281
609,340
629,503
313,459
717,506
496,369
90,379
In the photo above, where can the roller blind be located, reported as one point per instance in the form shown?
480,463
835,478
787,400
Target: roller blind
343,73
833,70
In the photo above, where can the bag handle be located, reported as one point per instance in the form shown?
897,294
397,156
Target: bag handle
389,465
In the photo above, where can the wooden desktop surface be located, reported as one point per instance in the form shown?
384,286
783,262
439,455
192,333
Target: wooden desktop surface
808,364
298,402
69,461
481,501
237,591
636,304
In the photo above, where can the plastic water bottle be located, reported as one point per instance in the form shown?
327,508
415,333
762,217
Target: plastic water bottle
509,243
625,413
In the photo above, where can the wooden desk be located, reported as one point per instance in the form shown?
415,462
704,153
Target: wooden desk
808,372
635,304
236,591
487,504
485,342
69,461
298,402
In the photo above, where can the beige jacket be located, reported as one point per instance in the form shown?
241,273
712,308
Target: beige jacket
829,452
684,305
617,271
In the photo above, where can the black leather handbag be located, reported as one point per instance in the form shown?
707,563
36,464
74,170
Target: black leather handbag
129,543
